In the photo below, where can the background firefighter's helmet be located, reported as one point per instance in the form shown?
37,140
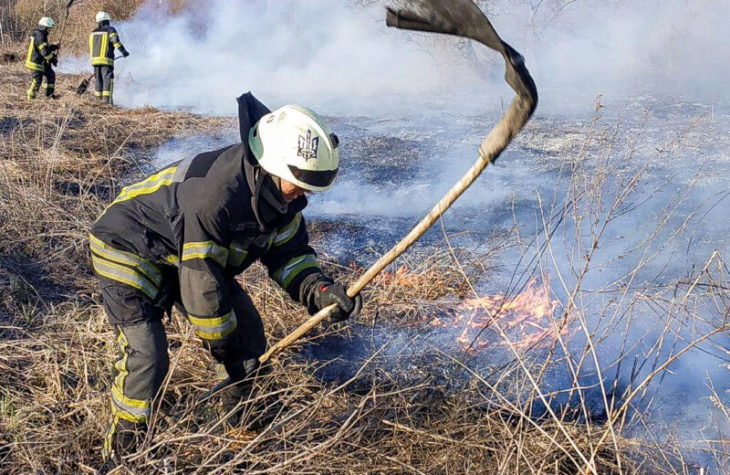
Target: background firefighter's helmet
295,144
103,16
47,22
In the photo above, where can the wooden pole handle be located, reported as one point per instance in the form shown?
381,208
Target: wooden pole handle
462,18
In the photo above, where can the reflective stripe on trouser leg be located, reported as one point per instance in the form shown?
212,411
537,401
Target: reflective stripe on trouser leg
35,84
98,82
139,372
107,73
50,80
33,88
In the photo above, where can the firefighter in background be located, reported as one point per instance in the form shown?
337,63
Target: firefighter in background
41,57
102,43
181,236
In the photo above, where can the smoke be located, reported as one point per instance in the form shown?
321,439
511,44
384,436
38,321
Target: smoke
341,58
316,53
624,48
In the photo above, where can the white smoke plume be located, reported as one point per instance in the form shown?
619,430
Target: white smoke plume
342,60
340,56
283,51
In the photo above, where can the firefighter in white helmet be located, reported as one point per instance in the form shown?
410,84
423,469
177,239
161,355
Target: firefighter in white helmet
41,58
102,43
183,234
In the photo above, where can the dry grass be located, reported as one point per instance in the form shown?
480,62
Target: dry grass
61,161
21,16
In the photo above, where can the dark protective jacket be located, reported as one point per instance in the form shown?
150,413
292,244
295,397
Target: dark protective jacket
212,216
102,42
39,51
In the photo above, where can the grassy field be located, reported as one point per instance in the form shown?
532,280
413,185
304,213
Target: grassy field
61,162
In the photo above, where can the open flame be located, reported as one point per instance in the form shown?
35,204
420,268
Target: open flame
526,318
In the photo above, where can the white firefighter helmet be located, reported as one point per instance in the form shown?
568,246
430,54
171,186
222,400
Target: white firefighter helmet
102,16
295,144
47,22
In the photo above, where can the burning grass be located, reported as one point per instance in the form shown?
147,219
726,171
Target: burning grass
395,412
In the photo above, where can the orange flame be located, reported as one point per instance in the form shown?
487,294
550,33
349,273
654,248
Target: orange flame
526,318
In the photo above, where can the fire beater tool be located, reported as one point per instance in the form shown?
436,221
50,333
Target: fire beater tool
84,84
65,20
459,18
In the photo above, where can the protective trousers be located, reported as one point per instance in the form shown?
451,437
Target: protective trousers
143,362
104,83
37,78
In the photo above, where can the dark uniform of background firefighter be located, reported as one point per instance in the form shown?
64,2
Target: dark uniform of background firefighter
183,234
41,55
102,42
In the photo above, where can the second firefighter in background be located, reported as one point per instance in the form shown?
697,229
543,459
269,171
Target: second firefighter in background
41,56
102,43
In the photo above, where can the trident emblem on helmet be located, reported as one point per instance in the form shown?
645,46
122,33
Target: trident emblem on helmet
307,148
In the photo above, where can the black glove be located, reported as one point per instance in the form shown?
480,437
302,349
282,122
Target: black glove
53,48
125,53
54,60
326,292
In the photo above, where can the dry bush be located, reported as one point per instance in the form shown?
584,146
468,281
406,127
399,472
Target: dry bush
61,161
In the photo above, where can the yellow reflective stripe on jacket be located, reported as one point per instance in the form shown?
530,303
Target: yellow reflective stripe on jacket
29,61
173,260
205,250
147,186
288,231
42,47
114,38
293,267
214,328
102,249
125,275
99,57
236,255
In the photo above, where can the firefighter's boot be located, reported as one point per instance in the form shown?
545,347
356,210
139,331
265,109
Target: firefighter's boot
123,438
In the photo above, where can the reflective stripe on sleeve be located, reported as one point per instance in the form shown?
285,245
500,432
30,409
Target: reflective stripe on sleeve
102,249
292,268
288,231
214,328
236,255
173,260
205,250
